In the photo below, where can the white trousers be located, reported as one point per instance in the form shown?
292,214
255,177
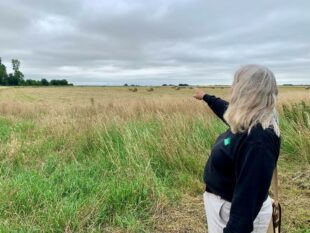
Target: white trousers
218,209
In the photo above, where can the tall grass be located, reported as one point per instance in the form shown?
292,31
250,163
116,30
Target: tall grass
115,175
295,126
99,165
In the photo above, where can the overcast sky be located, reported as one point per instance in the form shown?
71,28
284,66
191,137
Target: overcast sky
112,42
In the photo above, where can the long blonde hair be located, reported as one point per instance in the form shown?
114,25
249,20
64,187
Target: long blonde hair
253,100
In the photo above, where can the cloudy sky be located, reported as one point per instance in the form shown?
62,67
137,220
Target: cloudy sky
143,42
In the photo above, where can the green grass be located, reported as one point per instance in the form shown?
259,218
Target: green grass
115,176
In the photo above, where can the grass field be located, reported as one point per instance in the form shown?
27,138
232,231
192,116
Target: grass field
106,159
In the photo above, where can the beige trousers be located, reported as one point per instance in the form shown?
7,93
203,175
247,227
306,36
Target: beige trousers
217,212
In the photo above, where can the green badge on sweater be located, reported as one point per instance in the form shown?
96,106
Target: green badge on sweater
227,141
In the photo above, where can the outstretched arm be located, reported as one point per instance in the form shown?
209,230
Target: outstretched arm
218,105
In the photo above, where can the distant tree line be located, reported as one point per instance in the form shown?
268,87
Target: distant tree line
164,85
17,77
180,85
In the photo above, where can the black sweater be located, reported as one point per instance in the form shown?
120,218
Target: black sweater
240,169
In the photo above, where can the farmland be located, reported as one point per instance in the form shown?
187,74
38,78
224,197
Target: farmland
106,159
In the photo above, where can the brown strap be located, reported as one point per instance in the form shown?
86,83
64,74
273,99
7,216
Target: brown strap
276,213
274,186
276,217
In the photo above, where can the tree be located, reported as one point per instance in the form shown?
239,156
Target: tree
62,82
15,64
12,81
3,73
30,82
44,82
18,76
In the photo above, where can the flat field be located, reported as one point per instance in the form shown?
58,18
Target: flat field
106,159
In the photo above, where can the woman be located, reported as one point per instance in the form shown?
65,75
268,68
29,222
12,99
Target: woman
239,170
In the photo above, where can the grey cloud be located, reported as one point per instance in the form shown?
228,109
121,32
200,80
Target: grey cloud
148,42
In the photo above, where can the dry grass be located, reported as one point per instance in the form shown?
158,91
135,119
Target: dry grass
108,102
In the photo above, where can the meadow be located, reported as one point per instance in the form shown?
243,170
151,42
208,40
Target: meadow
106,159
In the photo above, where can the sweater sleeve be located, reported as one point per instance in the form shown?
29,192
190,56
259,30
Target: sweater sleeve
217,105
254,169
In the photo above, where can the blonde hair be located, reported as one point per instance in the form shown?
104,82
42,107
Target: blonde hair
253,100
